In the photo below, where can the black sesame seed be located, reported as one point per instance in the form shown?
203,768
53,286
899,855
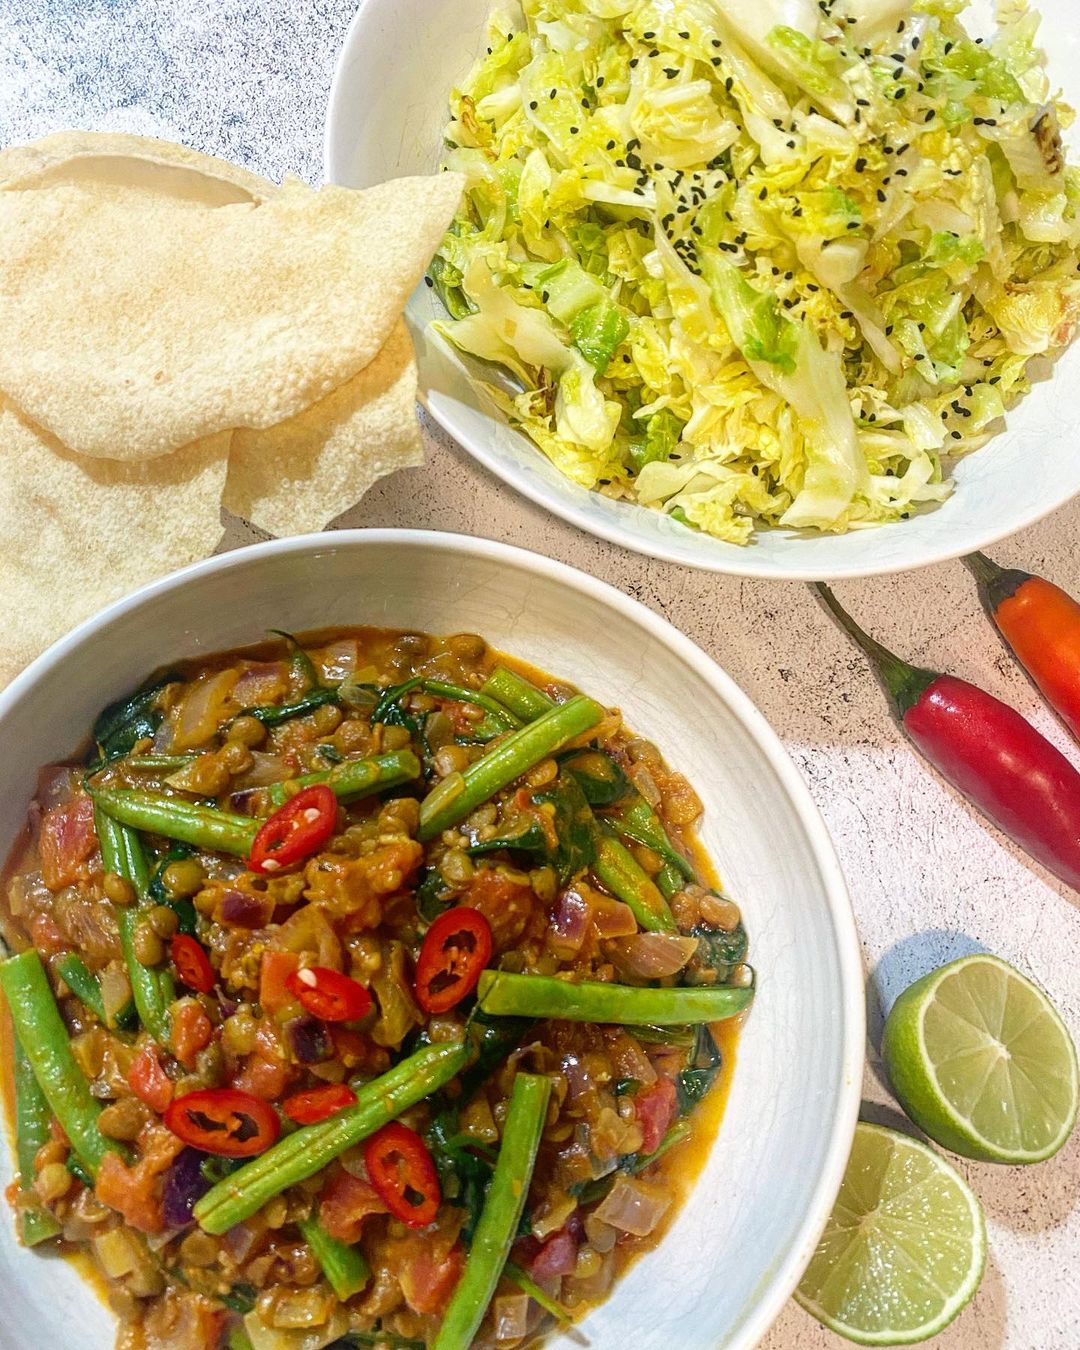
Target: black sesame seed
956,435
685,37
729,84
670,72
880,195
599,81
552,94
863,102
428,281
532,104
633,62
860,164
763,194
573,131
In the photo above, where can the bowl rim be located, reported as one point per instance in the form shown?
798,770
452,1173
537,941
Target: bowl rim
781,1280
741,562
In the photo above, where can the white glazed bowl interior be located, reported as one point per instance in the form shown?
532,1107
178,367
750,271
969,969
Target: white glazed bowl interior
387,112
738,1246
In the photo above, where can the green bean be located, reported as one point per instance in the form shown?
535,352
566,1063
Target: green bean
501,994
86,987
513,691
203,826
44,1039
32,1118
503,1207
159,763
668,881
152,989
522,750
637,820
357,778
620,872
343,1266
528,1285
308,1150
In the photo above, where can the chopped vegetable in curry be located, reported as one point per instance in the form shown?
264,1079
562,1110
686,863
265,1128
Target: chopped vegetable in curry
366,993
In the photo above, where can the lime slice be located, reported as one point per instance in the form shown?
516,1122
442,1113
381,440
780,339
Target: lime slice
904,1247
981,1061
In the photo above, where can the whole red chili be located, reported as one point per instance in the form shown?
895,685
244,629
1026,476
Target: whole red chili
455,951
403,1172
1041,624
306,1108
296,830
192,964
328,994
987,751
224,1121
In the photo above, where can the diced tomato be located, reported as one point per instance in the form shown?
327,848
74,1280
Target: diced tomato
654,1110
191,1031
557,1256
68,840
504,902
427,1279
349,1046
345,1203
149,1081
132,1192
273,980
265,1078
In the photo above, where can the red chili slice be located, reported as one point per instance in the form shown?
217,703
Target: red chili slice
403,1172
192,964
329,995
319,1104
295,831
224,1121
454,952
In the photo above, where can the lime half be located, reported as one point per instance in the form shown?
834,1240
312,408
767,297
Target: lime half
904,1247
980,1060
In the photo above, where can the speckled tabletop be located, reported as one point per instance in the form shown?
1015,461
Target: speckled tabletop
248,79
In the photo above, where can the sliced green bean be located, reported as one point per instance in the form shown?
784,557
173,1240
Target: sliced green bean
669,881
513,691
502,994
620,872
32,1117
356,778
202,826
307,1150
460,793
152,988
343,1266
44,1038
159,763
503,1207
637,820
86,987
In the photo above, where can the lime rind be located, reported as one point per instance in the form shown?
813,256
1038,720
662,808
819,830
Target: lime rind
929,1090
845,1246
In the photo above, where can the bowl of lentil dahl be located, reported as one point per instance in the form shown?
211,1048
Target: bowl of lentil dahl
414,942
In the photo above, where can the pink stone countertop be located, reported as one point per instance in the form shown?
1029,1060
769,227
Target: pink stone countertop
248,79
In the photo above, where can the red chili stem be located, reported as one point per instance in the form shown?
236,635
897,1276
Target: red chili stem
905,684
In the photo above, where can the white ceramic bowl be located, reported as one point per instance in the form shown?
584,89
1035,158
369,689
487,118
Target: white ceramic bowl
387,112
739,1245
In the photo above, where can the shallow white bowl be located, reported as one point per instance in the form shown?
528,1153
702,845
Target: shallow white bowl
739,1245
387,111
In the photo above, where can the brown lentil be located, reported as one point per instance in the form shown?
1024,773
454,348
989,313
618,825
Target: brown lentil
123,1119
247,731
163,921
149,948
118,889
327,719
183,878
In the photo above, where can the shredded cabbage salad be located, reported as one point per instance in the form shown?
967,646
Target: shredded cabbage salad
760,261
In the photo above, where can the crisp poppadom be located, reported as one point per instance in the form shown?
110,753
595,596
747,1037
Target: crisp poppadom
135,326
297,476
76,534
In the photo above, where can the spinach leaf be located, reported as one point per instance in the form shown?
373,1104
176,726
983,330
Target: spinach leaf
123,723
693,1082
601,780
717,955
